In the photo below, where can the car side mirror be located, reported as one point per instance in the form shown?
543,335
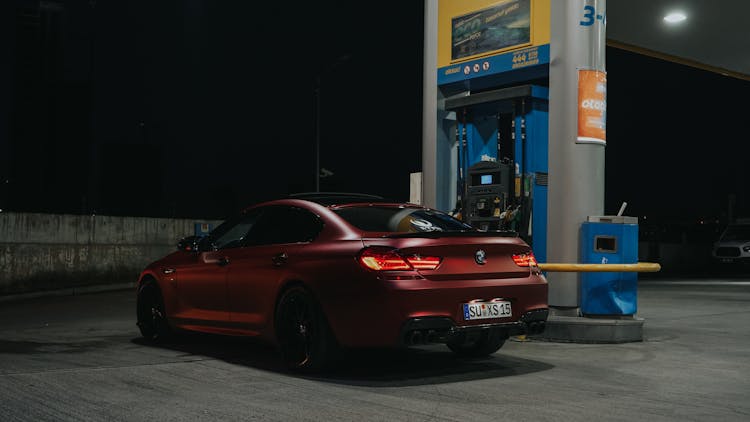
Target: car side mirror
190,244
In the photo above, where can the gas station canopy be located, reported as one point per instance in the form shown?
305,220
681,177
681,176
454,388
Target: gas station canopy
713,36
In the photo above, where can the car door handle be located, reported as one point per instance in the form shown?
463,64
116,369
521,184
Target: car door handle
280,259
222,261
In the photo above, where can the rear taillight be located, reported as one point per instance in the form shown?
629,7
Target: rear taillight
525,260
423,262
386,259
382,259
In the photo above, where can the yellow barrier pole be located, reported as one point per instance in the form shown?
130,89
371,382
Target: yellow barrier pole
641,267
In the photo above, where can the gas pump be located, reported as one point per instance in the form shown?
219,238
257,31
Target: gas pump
501,144
488,196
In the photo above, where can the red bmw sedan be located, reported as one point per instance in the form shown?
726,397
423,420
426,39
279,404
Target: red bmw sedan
316,274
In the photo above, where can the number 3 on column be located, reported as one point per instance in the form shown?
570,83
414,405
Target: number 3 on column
590,16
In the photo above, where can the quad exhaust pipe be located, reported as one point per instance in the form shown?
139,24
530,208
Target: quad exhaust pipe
425,337
416,337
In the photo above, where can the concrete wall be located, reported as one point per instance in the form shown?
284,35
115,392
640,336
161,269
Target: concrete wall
47,252
40,252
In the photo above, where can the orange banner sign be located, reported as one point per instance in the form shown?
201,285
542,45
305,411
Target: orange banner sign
592,107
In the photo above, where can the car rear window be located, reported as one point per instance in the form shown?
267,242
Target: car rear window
400,219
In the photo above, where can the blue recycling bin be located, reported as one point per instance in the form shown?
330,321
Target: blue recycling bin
609,240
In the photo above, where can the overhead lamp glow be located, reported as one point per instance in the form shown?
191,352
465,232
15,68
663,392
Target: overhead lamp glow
675,17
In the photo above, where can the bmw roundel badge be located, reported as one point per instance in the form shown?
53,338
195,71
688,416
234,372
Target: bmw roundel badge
480,256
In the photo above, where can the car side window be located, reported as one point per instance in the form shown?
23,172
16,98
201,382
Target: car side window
235,231
285,224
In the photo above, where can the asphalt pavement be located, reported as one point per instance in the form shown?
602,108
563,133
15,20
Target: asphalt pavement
80,358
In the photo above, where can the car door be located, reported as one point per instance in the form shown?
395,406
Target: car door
272,249
201,283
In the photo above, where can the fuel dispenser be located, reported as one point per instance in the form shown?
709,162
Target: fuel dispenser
488,195
203,229
501,147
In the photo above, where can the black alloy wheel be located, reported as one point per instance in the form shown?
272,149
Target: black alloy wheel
152,319
305,341
479,344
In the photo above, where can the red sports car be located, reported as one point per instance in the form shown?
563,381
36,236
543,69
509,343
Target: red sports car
319,273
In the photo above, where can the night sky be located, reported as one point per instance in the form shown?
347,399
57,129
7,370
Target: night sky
675,139
196,109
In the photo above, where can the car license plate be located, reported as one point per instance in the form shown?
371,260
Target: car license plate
487,310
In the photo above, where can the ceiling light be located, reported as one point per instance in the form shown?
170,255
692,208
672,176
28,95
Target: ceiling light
675,17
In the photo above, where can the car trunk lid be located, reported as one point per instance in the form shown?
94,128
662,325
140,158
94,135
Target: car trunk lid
463,255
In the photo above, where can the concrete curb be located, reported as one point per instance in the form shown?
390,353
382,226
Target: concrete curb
593,330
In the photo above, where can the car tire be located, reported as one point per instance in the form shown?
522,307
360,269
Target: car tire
151,316
305,340
485,343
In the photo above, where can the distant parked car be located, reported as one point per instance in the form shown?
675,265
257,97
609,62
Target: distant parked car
733,246
317,273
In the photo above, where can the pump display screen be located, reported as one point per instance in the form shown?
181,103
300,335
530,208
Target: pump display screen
486,179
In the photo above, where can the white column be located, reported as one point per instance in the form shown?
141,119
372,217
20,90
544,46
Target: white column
576,170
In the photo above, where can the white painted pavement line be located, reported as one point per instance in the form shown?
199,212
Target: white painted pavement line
695,283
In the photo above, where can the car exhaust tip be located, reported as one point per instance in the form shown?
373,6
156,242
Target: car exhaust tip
416,337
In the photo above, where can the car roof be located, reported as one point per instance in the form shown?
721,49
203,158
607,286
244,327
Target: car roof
339,198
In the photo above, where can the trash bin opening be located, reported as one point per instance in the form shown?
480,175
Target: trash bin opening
605,244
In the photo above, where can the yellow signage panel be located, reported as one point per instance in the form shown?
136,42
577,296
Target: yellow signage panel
480,28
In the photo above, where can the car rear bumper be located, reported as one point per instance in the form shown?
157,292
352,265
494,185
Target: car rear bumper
418,331
388,313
